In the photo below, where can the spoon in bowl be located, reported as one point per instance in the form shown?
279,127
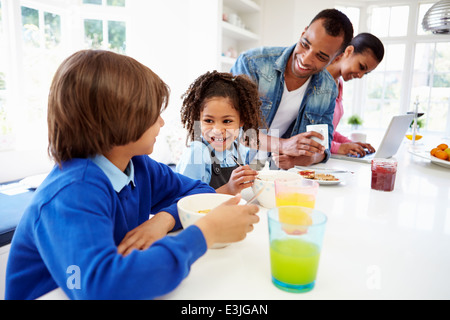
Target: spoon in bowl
255,196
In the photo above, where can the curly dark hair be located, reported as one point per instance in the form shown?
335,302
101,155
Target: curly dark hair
242,92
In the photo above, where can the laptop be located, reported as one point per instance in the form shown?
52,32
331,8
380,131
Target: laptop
391,141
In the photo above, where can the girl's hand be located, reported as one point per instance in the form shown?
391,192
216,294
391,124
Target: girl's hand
143,236
228,222
242,177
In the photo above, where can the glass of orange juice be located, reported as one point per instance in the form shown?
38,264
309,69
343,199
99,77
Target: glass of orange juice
300,192
297,193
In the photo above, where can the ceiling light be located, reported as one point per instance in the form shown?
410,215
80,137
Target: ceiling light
437,18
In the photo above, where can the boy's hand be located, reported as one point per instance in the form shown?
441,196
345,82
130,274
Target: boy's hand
143,236
228,222
242,177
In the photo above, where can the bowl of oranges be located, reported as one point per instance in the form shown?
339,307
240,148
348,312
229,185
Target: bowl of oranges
441,155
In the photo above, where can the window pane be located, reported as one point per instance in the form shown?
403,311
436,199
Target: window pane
375,85
422,10
438,109
442,59
2,81
372,113
379,18
6,133
353,14
116,36
398,21
7,138
93,33
423,60
116,3
1,20
52,30
30,26
393,85
2,54
348,97
395,57
93,2
441,80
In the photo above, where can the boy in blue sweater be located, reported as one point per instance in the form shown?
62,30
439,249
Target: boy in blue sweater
87,229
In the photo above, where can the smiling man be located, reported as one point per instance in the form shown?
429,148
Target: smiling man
296,90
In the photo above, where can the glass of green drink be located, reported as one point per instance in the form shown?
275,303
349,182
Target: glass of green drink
294,257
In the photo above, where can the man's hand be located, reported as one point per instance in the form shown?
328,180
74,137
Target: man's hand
286,162
301,145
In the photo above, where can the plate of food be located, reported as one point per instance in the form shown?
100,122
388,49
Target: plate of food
440,162
441,155
321,176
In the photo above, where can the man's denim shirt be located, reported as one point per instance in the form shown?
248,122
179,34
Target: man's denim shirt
266,66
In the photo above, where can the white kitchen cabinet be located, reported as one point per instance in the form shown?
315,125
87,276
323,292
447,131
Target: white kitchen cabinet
240,28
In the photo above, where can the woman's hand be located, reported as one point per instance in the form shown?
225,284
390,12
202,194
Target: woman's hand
355,148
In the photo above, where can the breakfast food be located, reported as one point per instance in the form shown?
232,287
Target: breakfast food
311,174
325,177
308,174
204,211
442,151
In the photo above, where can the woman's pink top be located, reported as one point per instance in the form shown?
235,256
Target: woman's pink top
338,113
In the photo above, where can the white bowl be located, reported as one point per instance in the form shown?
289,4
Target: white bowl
189,207
266,182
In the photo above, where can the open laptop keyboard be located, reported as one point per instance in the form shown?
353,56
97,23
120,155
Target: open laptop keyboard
368,153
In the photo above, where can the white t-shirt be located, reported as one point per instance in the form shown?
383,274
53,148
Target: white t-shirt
288,110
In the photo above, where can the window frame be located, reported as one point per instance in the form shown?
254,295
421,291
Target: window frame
410,40
18,161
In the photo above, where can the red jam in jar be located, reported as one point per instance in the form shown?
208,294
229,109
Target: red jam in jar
383,174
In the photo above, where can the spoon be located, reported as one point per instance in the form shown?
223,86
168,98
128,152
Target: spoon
255,196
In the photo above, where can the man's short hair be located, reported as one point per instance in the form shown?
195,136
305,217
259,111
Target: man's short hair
336,24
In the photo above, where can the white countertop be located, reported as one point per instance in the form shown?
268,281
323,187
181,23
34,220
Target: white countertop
378,245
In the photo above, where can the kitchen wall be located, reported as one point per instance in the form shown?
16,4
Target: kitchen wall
180,43
284,21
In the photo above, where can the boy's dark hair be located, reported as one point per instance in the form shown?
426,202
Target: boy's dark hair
99,99
240,90
336,24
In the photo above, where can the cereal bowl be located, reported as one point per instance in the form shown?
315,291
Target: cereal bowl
265,181
193,207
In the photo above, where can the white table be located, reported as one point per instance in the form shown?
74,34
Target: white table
378,245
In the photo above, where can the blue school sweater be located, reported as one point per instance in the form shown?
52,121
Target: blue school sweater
69,234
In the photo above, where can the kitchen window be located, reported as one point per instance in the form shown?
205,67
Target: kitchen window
36,36
415,67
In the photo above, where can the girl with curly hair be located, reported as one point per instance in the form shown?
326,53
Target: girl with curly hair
221,113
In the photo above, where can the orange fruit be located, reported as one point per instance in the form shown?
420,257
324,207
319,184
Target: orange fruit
442,146
433,151
441,155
